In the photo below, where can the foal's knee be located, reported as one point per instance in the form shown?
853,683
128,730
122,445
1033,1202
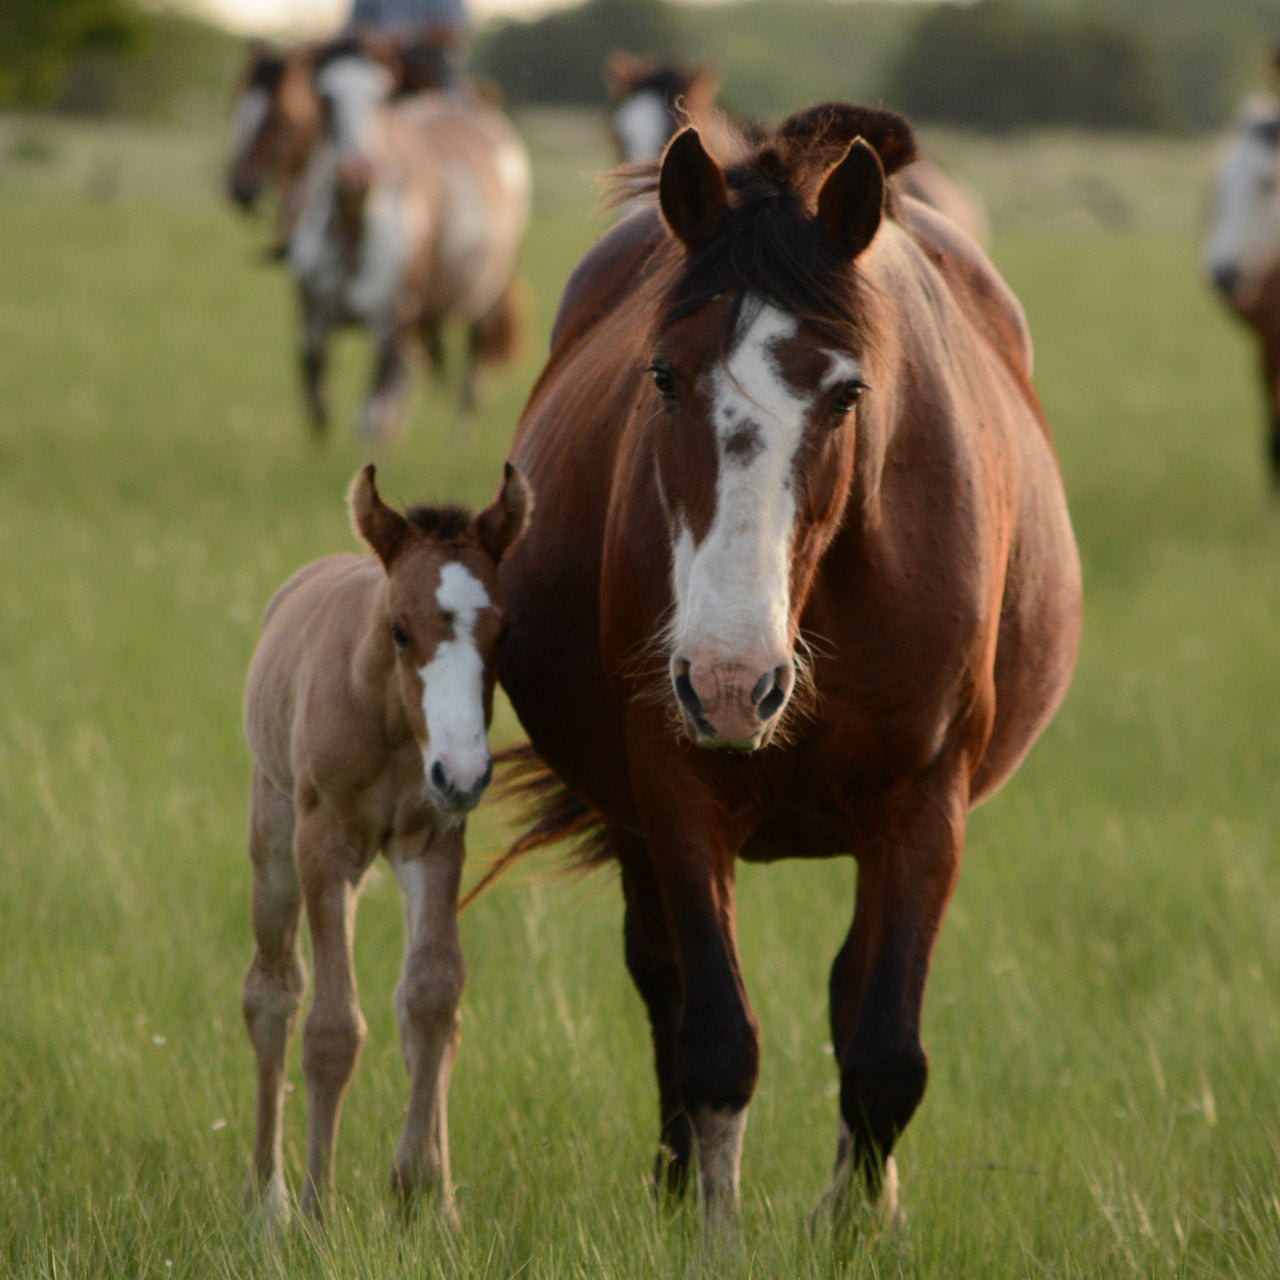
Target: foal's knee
330,1047
270,999
879,1094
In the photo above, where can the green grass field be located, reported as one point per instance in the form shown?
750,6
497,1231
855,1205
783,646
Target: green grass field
1104,1012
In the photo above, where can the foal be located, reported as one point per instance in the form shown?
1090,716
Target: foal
366,709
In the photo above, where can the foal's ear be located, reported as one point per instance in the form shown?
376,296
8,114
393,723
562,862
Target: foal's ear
504,519
382,527
691,190
851,202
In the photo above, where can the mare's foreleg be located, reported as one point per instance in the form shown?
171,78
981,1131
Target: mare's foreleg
330,866
905,878
427,999
273,985
384,405
654,965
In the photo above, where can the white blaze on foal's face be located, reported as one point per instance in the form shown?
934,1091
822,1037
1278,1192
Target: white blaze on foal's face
456,753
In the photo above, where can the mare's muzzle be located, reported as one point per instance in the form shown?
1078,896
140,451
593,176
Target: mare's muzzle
729,705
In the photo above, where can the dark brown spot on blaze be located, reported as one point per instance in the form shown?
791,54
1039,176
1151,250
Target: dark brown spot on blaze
743,445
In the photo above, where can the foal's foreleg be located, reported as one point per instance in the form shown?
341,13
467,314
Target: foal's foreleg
273,985
330,866
877,984
427,999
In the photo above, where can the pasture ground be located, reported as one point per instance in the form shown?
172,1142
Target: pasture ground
1104,1012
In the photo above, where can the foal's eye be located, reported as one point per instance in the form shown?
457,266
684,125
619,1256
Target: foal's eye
663,381
848,395
400,636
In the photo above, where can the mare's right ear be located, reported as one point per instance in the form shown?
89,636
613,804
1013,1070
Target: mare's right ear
380,526
505,518
691,189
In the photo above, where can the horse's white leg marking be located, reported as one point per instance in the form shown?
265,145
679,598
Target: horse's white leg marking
251,112
718,1137
334,1030
456,757
272,987
848,1190
427,999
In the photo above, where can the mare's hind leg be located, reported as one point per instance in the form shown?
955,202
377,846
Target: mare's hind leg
654,965
273,985
427,999
331,864
384,406
905,877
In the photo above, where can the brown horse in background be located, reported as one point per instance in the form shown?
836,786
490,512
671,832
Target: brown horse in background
413,215
366,708
802,583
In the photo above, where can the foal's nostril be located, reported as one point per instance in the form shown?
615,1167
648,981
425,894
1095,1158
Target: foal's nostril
485,777
1226,278
438,778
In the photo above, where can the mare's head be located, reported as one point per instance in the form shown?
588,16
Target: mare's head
649,99
444,618
1243,255
757,367
276,123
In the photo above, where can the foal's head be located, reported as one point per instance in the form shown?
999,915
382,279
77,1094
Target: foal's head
758,364
444,620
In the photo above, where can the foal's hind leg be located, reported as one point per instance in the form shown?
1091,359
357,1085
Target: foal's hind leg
331,864
427,1013
274,984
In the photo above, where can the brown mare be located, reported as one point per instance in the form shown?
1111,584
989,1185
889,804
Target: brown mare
366,710
277,124
802,583
651,99
414,210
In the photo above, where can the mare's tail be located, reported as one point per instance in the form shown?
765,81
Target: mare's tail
552,814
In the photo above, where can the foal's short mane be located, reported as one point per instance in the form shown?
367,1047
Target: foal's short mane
443,524
770,243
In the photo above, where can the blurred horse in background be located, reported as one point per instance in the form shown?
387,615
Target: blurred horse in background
1243,253
414,208
802,584
650,99
276,125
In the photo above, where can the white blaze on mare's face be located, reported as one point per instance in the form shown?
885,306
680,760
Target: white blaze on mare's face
733,590
453,685
251,112
642,125
1245,237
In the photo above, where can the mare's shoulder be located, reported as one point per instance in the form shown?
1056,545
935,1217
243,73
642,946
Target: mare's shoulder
609,269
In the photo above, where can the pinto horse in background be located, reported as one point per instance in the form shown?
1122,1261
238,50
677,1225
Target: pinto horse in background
650,100
802,583
413,214
276,126
1243,254
366,709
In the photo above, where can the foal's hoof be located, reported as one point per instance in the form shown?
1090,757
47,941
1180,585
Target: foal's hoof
268,1207
410,1187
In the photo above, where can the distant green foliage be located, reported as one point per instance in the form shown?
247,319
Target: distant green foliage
41,39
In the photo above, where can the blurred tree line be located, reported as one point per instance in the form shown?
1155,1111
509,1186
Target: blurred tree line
1162,65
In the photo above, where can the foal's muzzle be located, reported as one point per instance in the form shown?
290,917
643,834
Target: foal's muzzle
456,793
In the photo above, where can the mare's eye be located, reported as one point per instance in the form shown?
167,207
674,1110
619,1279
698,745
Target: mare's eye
848,395
399,635
663,381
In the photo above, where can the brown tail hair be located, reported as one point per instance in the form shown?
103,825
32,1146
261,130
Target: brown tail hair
551,812
498,335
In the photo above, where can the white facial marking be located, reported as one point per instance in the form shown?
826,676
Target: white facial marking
354,88
642,125
1245,237
251,113
734,587
453,685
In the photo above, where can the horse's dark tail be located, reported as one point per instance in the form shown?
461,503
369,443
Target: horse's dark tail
552,814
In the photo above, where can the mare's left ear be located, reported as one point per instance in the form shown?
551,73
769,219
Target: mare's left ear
691,189
504,519
851,202
379,525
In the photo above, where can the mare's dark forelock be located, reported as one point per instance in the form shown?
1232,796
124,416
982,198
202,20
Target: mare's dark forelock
444,524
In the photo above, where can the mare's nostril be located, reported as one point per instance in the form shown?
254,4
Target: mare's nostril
438,778
773,688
